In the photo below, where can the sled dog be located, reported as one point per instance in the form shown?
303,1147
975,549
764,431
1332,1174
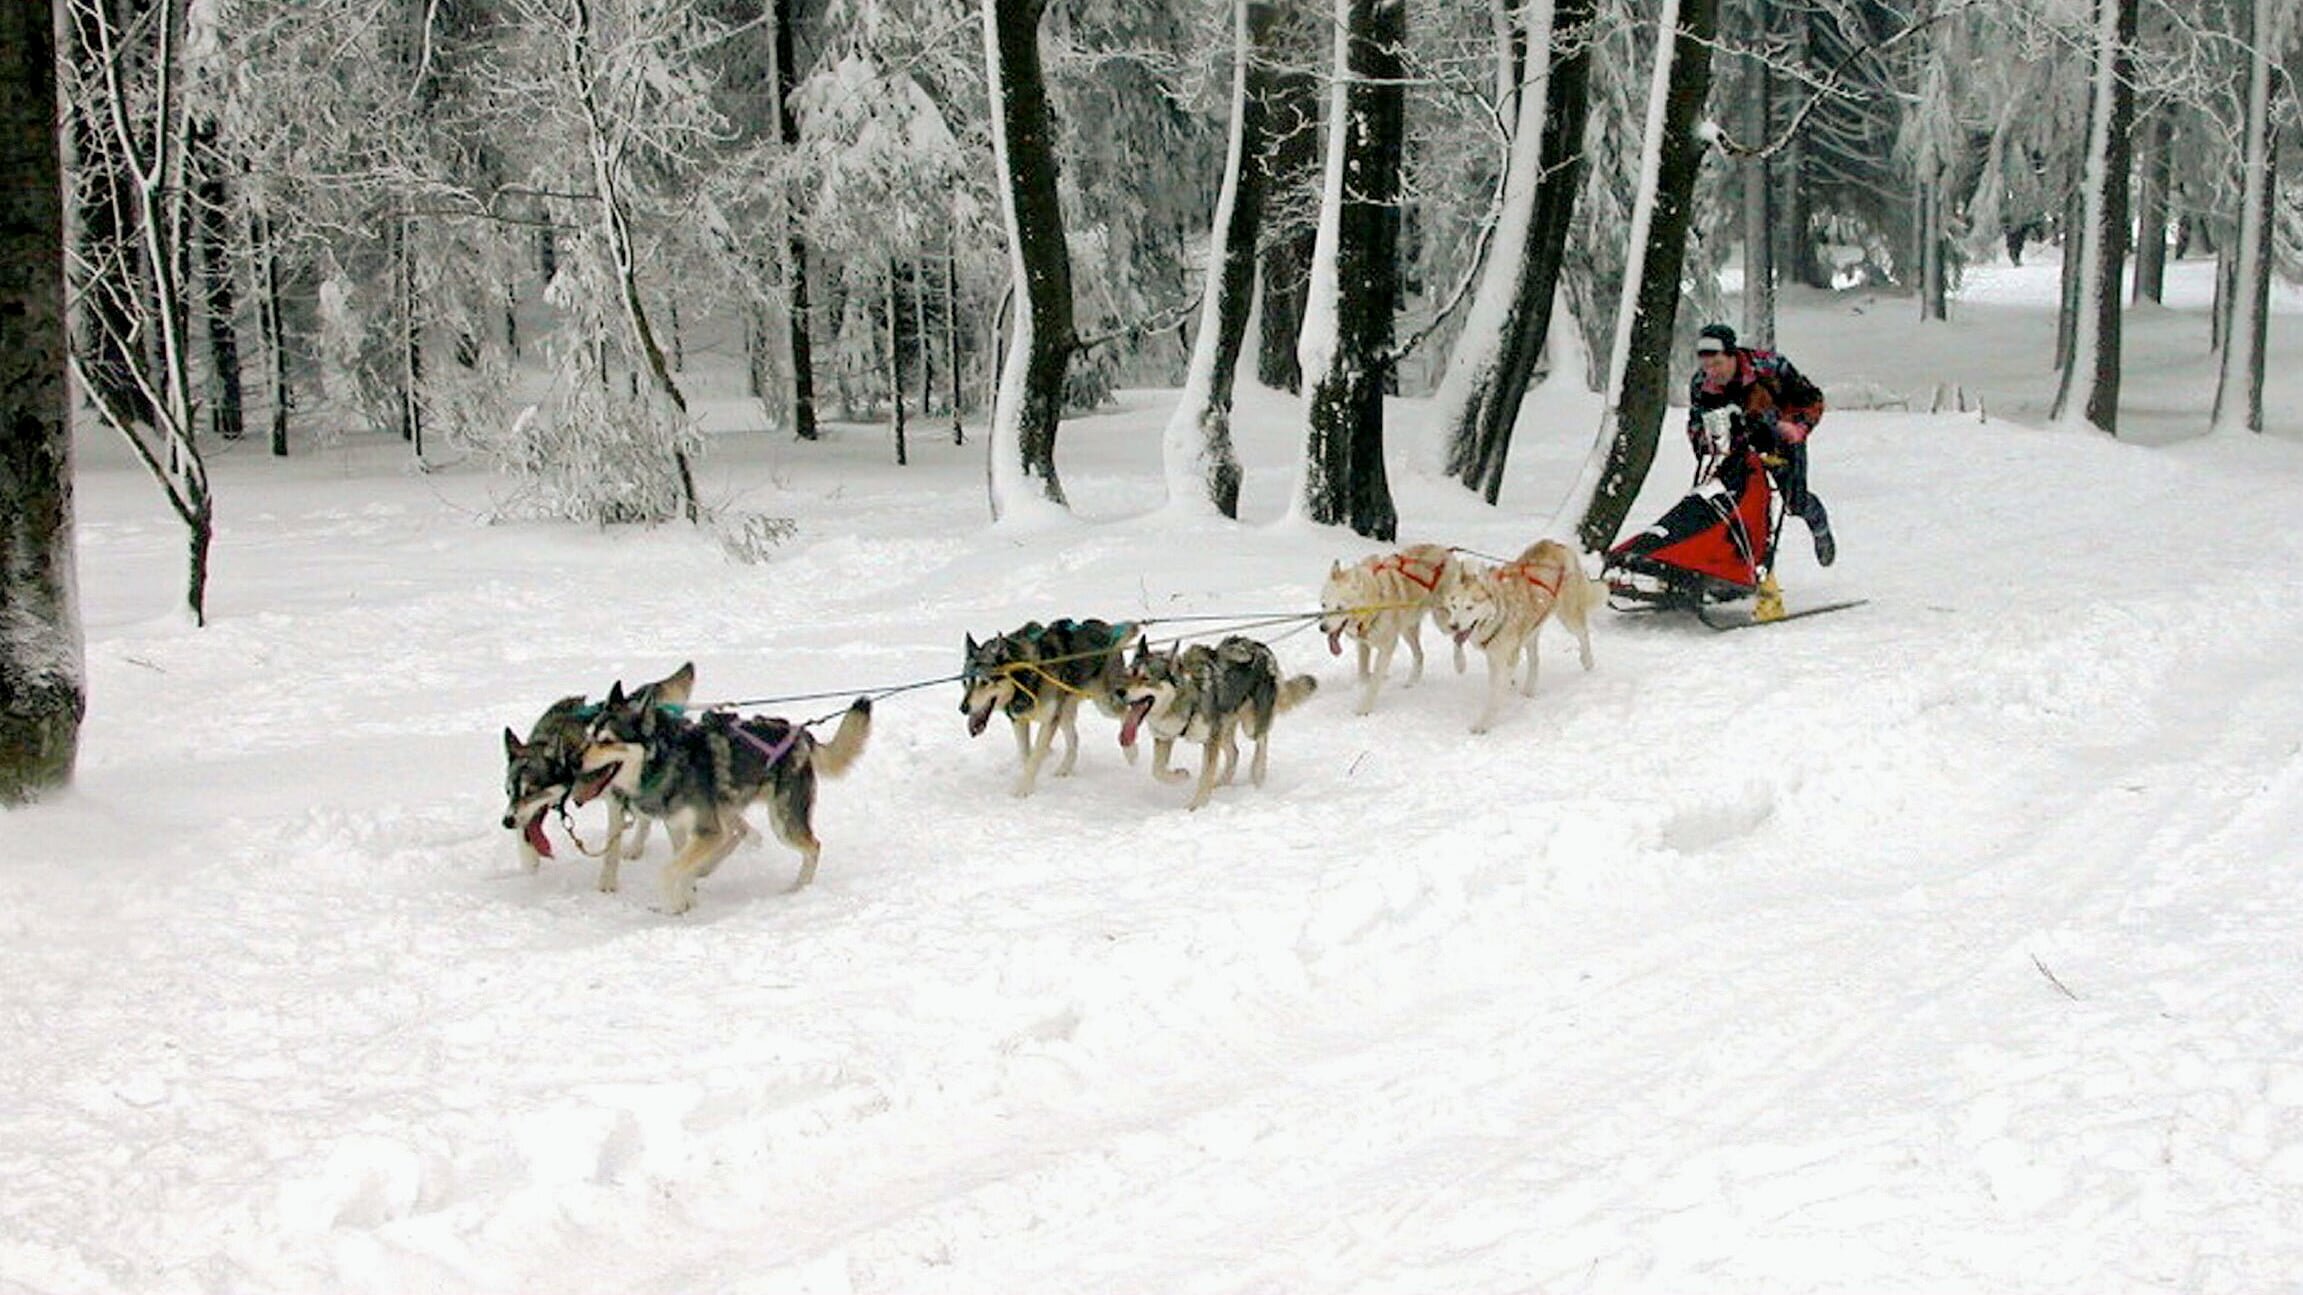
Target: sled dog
1499,609
1382,599
699,775
1212,696
540,773
1039,675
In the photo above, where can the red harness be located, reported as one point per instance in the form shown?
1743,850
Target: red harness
1526,572
1406,565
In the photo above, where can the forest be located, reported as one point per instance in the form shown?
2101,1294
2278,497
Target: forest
498,228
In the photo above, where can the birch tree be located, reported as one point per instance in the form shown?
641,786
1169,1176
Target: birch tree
1641,370
2090,383
43,690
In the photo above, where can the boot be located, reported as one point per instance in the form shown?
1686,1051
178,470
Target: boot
1819,529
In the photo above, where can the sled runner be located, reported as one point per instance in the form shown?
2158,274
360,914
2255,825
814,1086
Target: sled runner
1716,546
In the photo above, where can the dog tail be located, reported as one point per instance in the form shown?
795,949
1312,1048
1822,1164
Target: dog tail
675,688
832,758
1292,692
1579,594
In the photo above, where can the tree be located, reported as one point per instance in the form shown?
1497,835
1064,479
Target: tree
1347,331
42,690
2090,383
1197,446
127,97
2239,379
796,247
1031,391
1496,354
1639,392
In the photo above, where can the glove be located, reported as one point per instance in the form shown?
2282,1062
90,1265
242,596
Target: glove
1791,431
1718,429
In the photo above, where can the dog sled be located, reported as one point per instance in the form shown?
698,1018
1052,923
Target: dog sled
1711,550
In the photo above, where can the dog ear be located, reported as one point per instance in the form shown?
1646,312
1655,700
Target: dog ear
511,744
615,695
972,645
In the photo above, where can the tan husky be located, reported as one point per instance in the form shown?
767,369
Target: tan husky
1381,600
1499,609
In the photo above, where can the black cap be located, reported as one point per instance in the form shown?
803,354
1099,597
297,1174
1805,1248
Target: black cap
1721,334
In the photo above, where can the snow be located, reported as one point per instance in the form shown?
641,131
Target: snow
1947,943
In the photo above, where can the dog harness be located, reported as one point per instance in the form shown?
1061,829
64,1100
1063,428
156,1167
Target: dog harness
1526,572
773,753
1406,566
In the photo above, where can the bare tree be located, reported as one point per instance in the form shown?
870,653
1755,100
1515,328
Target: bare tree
126,94
42,689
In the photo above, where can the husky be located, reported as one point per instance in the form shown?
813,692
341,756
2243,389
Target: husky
1381,600
1040,674
1499,609
1212,696
541,772
699,775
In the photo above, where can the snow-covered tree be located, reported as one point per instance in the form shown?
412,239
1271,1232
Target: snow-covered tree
43,690
2090,383
1031,390
2239,378
1347,331
126,95
1642,368
1196,447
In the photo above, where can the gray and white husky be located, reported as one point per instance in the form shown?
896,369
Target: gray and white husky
1212,696
540,773
1039,675
698,775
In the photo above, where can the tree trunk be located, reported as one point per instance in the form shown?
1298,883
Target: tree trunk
952,368
1354,275
43,692
2090,384
895,310
796,249
2153,171
1290,97
1759,205
1032,386
271,328
220,300
1639,397
2239,378
1197,449
1566,112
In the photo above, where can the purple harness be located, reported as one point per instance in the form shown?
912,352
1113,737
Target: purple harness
773,753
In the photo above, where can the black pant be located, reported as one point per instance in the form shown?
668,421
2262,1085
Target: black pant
1791,479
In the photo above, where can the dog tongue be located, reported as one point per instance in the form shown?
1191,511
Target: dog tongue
589,789
1335,641
534,832
1135,718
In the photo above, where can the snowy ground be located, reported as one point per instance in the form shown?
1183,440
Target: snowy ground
1949,943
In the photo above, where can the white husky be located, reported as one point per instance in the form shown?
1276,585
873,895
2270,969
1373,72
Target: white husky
1499,609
